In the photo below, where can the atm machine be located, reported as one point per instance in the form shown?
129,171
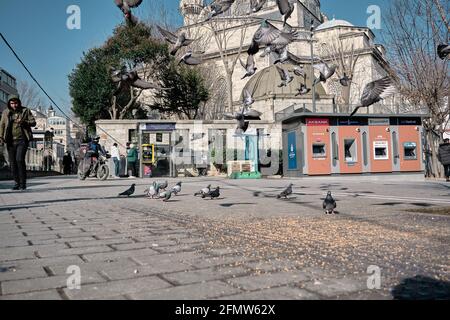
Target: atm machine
148,159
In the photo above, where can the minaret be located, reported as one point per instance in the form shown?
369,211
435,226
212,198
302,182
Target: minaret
191,9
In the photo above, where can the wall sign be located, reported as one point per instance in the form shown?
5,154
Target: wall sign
379,122
292,151
317,122
158,127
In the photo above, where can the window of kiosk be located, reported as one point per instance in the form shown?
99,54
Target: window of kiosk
319,150
381,152
409,149
350,150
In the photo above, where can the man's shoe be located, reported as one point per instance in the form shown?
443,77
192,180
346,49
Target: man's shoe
23,188
16,187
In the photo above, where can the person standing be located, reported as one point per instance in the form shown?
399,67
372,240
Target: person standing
115,156
444,158
67,163
131,160
15,131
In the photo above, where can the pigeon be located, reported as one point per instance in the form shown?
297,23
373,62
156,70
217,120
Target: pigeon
240,117
152,191
257,5
267,35
302,90
247,99
281,55
375,91
190,59
177,41
345,80
165,195
128,192
161,185
214,194
125,80
329,204
219,7
125,6
286,8
286,192
299,71
251,114
203,191
249,67
286,78
443,51
326,72
176,189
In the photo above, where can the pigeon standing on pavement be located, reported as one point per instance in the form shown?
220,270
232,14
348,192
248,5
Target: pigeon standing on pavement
162,185
443,51
128,192
286,192
203,191
376,91
152,191
165,195
214,194
177,41
329,204
176,189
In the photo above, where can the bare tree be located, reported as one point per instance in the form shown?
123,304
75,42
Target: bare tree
343,54
413,31
29,94
225,31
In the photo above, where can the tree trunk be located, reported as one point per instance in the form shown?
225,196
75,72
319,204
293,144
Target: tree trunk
229,79
346,97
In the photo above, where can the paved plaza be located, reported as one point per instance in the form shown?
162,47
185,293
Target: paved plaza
245,245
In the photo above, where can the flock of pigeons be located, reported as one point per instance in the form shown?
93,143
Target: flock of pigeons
275,42
160,190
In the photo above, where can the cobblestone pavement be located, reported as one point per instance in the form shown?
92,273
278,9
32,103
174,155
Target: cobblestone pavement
244,245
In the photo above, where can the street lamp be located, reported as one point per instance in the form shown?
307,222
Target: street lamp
312,68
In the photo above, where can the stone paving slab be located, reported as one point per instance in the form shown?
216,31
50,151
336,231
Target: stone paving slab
238,247
200,291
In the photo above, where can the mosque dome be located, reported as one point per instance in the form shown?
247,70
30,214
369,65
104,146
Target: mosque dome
265,84
334,23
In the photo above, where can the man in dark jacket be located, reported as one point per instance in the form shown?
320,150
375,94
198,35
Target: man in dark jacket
15,131
444,157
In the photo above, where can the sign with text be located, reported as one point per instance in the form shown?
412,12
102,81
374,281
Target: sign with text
292,151
317,122
379,122
158,127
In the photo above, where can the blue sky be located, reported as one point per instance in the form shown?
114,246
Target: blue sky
40,36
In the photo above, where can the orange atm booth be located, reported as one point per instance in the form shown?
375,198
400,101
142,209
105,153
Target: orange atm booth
337,144
318,142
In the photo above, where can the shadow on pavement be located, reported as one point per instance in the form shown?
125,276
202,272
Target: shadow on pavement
421,288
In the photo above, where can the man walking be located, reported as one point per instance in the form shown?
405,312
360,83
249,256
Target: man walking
115,156
131,160
67,163
444,158
15,131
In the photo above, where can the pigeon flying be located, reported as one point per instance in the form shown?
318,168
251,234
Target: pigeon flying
128,192
177,41
302,90
125,6
286,8
249,67
190,59
125,80
219,7
286,78
375,91
257,5
329,204
326,72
